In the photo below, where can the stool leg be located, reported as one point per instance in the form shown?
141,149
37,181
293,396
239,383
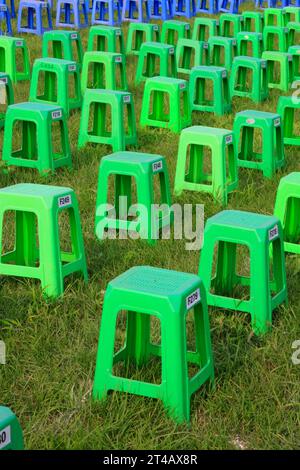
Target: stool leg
29,141
26,248
261,314
104,362
138,338
226,268
123,191
175,372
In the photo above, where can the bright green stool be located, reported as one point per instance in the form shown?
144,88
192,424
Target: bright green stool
286,107
11,435
239,84
271,157
59,80
145,292
7,95
253,21
292,14
189,54
178,116
285,62
273,34
106,39
204,28
36,209
173,30
37,121
287,208
223,177
222,47
138,33
275,17
108,71
200,79
295,53
150,54
142,168
252,41
62,44
230,25
8,58
293,33
117,104
225,289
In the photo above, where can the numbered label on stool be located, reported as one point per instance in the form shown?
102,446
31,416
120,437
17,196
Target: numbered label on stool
5,437
64,201
157,166
192,299
56,114
273,233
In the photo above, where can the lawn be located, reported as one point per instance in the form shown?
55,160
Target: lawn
51,346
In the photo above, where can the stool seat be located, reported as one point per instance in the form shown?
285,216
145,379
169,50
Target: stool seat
147,280
249,221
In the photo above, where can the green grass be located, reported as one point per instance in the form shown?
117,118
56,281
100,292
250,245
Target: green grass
51,347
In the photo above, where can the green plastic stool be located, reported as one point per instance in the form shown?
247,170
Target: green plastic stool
9,58
125,167
6,94
173,30
287,207
108,70
223,178
138,33
273,35
103,130
200,79
275,17
255,89
286,107
178,116
225,289
59,80
293,33
295,53
106,39
36,151
155,59
204,28
285,62
189,54
253,21
11,435
271,157
38,253
292,14
61,44
222,47
168,296
231,25
252,41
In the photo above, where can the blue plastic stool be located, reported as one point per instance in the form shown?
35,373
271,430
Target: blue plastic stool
270,4
66,8
208,6
5,20
12,9
229,6
185,8
103,12
136,11
161,9
33,10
